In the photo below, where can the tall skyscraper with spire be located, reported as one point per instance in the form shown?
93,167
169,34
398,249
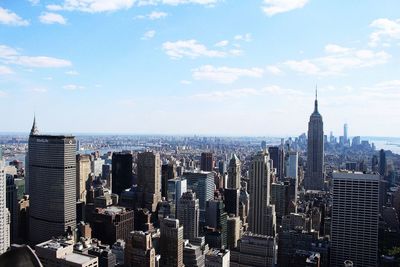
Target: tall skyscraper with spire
314,179
52,185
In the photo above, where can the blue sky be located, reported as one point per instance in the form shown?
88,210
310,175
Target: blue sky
215,67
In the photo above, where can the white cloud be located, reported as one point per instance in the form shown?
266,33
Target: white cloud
177,2
244,37
92,6
153,15
222,43
385,31
40,90
5,70
192,49
338,60
273,7
2,93
148,35
72,72
12,56
10,18
224,74
247,92
186,82
274,70
73,87
52,18
34,2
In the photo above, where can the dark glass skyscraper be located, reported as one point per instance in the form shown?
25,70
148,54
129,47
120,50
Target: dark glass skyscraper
277,154
52,177
382,163
121,172
206,162
314,179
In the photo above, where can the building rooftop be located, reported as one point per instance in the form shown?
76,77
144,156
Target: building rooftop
78,258
354,175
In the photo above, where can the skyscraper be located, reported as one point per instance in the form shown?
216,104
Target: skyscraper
168,171
171,243
314,179
4,215
139,251
82,176
260,187
292,165
202,183
345,132
206,162
382,163
234,173
188,215
277,154
52,177
148,180
355,218
121,172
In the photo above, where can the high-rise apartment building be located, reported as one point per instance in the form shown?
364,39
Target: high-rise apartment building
206,161
216,218
148,180
171,243
188,215
52,174
234,173
122,174
355,218
260,188
82,176
176,187
314,179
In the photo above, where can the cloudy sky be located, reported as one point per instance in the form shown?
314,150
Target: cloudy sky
215,67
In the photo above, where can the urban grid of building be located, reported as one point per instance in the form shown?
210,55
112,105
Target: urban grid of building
145,201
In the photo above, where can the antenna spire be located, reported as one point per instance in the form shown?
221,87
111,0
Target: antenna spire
316,99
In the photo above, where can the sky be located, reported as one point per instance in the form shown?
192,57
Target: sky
206,67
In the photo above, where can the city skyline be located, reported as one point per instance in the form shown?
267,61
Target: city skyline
254,66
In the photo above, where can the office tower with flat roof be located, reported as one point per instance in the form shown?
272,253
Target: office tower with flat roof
202,183
206,161
280,198
234,173
292,166
188,215
176,187
82,175
168,172
148,180
314,179
233,231
122,174
171,243
355,219
139,251
254,250
52,173
277,154
231,201
216,218
260,188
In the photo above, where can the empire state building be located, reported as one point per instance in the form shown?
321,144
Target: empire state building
314,179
